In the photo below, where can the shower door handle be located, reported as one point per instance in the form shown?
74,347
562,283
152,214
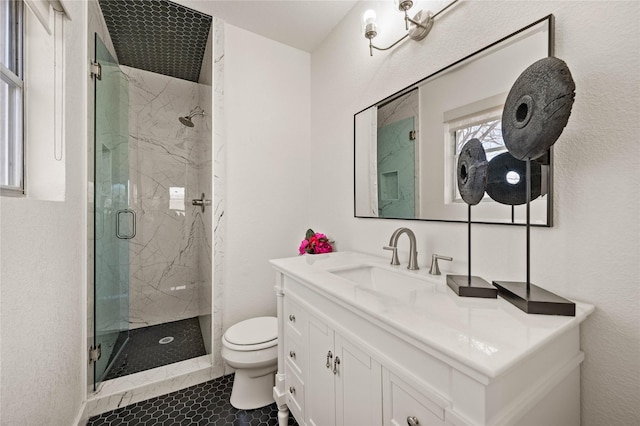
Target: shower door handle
133,221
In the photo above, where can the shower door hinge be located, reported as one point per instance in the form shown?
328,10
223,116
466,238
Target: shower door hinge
95,353
412,135
96,70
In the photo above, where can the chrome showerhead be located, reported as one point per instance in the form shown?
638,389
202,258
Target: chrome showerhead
186,120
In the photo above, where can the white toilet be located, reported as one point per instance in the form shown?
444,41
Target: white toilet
251,347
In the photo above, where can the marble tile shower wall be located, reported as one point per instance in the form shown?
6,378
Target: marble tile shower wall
205,233
167,171
404,107
219,195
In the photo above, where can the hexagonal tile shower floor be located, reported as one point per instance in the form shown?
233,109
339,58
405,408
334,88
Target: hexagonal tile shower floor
203,404
149,347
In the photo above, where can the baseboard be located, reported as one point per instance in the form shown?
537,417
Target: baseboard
83,416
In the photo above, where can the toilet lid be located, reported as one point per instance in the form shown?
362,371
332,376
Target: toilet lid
253,331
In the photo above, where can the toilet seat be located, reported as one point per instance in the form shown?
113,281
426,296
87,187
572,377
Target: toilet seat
252,334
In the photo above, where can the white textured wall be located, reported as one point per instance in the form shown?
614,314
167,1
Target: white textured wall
266,107
42,274
592,254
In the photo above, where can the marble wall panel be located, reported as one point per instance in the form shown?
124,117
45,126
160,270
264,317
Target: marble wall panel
403,107
219,182
165,276
204,231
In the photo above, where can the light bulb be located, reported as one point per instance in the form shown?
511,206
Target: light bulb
369,17
369,24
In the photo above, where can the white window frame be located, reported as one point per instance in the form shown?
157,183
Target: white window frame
12,169
481,118
473,114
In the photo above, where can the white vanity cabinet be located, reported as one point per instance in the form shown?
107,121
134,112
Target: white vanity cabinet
353,356
343,381
323,370
405,405
292,345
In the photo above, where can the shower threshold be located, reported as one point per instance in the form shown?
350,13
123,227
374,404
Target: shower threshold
137,387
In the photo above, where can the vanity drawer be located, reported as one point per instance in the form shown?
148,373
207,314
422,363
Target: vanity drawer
294,318
294,353
404,405
295,391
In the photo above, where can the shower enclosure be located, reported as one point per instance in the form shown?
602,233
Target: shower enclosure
152,243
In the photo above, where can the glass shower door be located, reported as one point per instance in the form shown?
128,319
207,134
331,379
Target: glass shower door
114,221
396,170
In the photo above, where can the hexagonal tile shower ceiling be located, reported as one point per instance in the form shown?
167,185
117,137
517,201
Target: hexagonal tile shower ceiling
158,36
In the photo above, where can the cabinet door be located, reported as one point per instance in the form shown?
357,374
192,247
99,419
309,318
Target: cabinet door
358,386
403,402
320,392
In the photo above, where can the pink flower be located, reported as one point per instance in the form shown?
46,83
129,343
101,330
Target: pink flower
303,246
323,247
315,243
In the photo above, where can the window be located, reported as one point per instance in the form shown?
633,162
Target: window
11,98
487,128
489,133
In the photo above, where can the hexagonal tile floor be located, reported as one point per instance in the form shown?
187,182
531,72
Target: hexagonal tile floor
144,351
203,404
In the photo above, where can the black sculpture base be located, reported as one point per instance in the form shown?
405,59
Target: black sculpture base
537,301
477,287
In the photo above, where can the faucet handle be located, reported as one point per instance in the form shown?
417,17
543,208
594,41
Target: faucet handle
435,270
394,256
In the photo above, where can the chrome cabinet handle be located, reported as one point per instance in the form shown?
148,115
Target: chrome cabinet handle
329,357
336,363
292,354
292,390
292,318
133,227
413,421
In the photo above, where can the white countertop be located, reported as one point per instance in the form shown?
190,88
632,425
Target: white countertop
488,335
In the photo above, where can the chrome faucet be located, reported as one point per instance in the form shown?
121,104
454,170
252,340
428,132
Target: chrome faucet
393,246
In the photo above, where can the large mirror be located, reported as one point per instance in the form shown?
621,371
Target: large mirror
407,145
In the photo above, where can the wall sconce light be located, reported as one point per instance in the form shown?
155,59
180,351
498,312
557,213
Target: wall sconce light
417,27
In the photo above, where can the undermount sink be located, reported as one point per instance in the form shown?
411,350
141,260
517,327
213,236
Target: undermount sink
386,281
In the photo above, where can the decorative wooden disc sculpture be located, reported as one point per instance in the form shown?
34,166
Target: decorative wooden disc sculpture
537,108
535,113
472,174
507,182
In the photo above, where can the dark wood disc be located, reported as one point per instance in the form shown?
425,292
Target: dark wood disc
537,108
507,182
472,172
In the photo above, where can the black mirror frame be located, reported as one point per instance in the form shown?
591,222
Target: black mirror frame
550,52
